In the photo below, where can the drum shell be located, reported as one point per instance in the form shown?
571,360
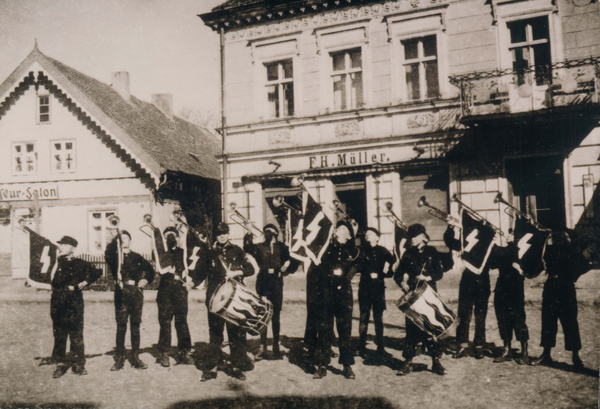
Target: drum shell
426,310
243,308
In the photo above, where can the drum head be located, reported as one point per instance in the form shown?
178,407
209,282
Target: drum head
221,297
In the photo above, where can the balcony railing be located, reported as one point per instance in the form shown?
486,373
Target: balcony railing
565,83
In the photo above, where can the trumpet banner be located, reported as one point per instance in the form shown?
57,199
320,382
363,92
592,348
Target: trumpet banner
531,243
164,262
312,232
400,238
42,261
477,240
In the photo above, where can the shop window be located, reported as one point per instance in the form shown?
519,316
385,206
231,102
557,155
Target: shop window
421,67
530,50
280,88
347,79
63,156
44,109
99,230
24,158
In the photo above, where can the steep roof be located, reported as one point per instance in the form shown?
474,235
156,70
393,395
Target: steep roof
161,144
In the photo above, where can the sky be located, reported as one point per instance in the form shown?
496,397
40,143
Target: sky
163,44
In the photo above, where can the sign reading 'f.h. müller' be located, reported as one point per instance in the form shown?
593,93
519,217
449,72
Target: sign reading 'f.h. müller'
9,193
347,159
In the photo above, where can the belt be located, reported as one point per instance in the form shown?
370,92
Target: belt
129,282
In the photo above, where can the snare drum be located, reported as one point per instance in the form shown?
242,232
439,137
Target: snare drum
240,306
426,310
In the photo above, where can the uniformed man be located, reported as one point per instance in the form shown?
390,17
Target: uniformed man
509,300
473,295
375,267
273,259
564,265
420,262
131,273
66,308
338,264
172,300
227,261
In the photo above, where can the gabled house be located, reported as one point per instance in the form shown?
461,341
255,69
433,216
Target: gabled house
76,151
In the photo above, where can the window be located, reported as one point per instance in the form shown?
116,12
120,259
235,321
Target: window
347,79
280,88
100,234
24,158
63,156
421,67
44,108
530,49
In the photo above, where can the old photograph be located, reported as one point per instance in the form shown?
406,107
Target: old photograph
324,204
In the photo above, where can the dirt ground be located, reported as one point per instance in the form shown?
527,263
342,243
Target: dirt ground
27,335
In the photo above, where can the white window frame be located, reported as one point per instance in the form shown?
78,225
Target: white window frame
23,155
63,142
348,72
38,107
103,229
261,98
421,59
280,82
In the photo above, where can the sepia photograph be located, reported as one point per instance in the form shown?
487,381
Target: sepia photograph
299,204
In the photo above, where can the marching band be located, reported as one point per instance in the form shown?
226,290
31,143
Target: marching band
331,259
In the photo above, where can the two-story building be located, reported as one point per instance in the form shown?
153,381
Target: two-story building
77,151
387,101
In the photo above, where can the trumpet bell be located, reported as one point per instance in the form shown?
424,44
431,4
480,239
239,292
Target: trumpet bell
422,201
389,206
498,198
278,201
147,218
297,180
232,206
114,220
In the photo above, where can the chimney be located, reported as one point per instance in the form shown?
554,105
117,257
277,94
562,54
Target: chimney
120,83
164,102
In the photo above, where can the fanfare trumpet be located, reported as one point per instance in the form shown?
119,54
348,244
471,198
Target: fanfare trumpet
435,212
476,215
179,218
147,224
336,206
389,208
237,217
509,207
279,201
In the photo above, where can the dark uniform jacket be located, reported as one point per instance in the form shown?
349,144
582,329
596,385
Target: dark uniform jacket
71,272
269,257
373,261
134,268
414,263
564,266
340,257
502,258
174,258
233,257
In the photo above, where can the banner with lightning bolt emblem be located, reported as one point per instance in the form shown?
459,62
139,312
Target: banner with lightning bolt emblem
531,243
42,261
477,240
400,238
312,233
195,253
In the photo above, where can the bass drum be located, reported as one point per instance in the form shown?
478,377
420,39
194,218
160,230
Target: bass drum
426,310
240,306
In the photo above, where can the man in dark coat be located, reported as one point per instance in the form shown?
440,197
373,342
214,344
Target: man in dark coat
375,266
509,300
473,295
273,258
420,262
172,301
66,308
131,273
564,265
227,261
338,265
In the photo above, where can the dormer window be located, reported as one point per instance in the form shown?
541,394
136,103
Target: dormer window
44,109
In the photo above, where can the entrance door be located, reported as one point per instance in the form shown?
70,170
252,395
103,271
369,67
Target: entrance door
538,183
350,191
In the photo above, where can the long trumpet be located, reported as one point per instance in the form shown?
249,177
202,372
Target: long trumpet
509,207
237,217
435,212
476,215
147,224
178,217
279,201
335,205
389,208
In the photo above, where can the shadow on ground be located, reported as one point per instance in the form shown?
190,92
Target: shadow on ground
286,402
